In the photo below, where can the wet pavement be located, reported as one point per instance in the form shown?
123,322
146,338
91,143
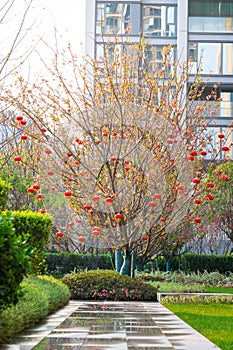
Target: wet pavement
109,325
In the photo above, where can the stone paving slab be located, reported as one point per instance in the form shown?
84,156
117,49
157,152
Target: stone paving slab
103,325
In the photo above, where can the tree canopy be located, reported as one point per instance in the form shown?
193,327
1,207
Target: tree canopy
126,141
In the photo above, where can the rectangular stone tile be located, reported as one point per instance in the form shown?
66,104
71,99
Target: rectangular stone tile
104,346
68,336
112,336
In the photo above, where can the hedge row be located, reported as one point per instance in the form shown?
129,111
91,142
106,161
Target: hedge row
41,296
209,263
23,237
192,263
15,262
68,262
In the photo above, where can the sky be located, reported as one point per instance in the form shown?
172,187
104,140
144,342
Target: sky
68,17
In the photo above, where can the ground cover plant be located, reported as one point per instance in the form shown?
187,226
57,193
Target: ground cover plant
41,296
211,316
213,282
108,285
172,287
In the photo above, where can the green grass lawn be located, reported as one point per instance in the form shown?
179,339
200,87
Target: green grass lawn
215,322
219,290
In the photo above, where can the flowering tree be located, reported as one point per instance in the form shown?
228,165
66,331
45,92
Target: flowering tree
218,189
123,139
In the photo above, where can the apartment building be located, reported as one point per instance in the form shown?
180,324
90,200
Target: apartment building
202,29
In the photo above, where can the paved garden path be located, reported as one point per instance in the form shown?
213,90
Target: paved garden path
107,325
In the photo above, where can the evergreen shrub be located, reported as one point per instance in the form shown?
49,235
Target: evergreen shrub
192,263
209,263
15,262
70,262
41,296
108,285
35,229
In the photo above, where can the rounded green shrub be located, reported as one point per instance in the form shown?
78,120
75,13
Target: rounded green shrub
15,262
35,229
108,285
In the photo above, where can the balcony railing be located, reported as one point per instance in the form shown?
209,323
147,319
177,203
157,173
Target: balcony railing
211,24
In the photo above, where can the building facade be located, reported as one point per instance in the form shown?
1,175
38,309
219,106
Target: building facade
202,29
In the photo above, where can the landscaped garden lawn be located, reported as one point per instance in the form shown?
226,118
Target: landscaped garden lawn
211,289
214,321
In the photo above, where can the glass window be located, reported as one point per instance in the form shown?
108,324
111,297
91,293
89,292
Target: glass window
206,55
214,58
210,24
211,16
108,50
159,20
154,58
210,8
227,64
118,18
226,109
206,8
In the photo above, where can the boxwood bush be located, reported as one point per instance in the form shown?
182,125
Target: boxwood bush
15,262
34,228
41,296
108,285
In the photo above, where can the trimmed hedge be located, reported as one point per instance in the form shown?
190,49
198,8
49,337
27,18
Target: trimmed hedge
69,262
193,263
197,299
108,285
62,263
15,262
42,295
209,263
35,229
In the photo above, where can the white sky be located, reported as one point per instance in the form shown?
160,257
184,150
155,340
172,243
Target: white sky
68,16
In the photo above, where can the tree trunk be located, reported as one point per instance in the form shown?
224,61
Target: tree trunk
125,268
133,263
118,260
125,262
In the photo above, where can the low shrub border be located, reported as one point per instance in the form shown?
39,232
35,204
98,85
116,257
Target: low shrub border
198,299
59,264
42,295
108,285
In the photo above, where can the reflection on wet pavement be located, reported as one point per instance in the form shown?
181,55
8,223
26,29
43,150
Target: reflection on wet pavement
112,325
